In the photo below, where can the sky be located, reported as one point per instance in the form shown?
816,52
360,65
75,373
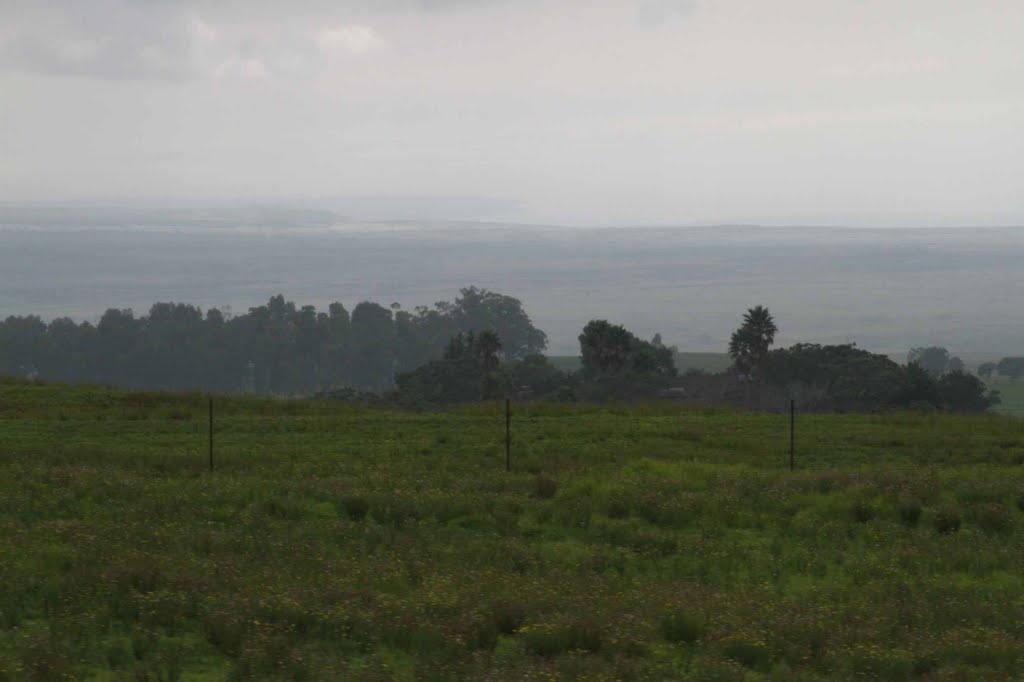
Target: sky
834,112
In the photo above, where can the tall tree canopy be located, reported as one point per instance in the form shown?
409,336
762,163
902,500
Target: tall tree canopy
608,349
933,359
750,342
275,348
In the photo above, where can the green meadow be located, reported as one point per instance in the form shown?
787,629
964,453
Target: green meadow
336,542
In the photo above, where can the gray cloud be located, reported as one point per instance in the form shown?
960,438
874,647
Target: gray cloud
651,13
861,111
118,40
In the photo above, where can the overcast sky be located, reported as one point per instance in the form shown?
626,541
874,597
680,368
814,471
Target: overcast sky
887,112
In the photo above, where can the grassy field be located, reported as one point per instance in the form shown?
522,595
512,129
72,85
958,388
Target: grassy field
707,362
652,543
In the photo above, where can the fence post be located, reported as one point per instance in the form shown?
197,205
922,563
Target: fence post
508,434
211,434
792,434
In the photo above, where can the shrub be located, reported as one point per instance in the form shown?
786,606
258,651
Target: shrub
506,651
356,507
994,517
585,635
544,488
42,660
618,509
910,512
863,511
118,653
947,519
223,631
508,615
753,655
140,573
506,519
551,640
545,640
679,626
574,514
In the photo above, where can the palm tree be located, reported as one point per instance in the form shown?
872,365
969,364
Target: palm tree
749,344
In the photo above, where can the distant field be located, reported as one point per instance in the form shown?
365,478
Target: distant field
566,363
708,362
1012,395
342,543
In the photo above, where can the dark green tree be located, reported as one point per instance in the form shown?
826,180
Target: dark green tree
1011,367
486,350
478,309
918,388
277,347
604,348
373,351
933,359
749,344
851,378
962,392
468,371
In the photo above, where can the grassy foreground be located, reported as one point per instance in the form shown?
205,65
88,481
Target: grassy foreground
358,544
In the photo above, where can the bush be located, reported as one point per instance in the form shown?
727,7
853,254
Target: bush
947,519
863,511
679,626
118,653
585,635
753,655
910,512
618,509
546,641
544,488
551,640
224,631
508,616
994,517
356,507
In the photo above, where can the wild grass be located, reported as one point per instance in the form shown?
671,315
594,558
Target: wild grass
337,542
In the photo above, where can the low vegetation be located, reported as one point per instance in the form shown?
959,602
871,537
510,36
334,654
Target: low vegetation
335,541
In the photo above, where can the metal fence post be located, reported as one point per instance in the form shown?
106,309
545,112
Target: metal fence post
211,435
792,434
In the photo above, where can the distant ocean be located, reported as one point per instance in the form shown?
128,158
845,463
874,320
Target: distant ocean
886,290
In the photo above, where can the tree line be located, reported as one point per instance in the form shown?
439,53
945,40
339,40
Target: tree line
615,364
845,377
278,348
482,345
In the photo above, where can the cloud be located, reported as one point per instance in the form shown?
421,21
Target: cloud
355,39
653,13
173,40
241,68
111,40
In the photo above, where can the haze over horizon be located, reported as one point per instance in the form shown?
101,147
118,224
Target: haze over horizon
633,113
